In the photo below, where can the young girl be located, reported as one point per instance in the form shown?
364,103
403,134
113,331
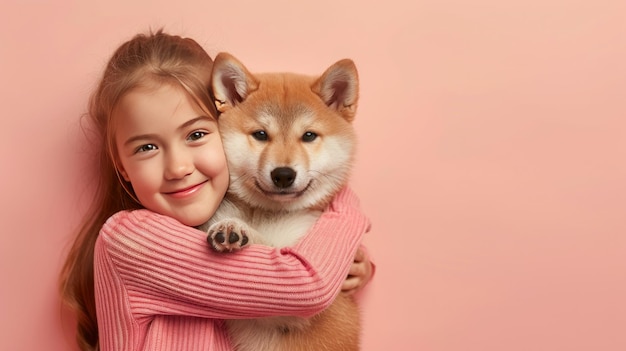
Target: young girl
139,275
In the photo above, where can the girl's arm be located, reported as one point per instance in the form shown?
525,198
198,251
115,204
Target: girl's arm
166,267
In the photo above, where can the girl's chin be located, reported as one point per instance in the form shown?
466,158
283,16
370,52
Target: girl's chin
192,214
194,222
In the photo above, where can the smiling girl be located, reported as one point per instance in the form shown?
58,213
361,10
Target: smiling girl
139,275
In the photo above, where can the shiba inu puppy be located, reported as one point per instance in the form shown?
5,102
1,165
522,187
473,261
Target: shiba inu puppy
290,144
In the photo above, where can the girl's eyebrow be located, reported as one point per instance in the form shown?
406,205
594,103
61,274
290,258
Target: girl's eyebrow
138,137
183,126
194,121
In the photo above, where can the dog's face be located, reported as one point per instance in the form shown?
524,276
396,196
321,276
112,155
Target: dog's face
288,138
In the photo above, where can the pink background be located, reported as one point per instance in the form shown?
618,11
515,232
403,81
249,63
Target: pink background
492,149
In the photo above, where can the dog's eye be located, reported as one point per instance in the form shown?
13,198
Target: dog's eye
309,137
260,135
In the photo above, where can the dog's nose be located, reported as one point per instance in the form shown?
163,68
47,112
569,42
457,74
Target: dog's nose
283,177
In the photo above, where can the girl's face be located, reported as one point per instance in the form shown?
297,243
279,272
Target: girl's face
171,152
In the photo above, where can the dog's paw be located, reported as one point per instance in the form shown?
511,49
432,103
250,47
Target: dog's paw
229,235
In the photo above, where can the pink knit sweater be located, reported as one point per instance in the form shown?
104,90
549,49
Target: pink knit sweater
160,287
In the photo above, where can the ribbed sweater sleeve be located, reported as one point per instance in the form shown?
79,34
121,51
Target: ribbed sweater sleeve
165,267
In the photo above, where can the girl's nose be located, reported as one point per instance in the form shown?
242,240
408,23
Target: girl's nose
178,165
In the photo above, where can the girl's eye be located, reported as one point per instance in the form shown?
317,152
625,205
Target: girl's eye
196,135
309,137
146,148
260,135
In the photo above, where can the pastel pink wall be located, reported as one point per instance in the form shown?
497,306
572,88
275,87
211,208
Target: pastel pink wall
492,156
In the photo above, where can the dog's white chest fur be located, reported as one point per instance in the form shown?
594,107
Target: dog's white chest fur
269,228
285,230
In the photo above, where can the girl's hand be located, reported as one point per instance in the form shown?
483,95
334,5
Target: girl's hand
360,273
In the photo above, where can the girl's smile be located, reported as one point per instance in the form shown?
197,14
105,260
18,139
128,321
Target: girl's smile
186,192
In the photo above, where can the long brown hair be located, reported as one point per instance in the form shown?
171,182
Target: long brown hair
146,59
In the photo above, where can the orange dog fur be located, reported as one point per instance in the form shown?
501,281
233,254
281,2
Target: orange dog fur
290,145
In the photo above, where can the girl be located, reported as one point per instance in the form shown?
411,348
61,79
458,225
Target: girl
139,275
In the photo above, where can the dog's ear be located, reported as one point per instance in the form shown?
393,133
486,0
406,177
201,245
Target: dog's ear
338,87
231,81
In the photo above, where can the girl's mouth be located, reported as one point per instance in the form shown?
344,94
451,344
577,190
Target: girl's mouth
182,193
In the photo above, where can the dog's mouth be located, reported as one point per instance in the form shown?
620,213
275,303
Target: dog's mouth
282,195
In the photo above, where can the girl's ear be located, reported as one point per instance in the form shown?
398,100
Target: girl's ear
231,81
121,171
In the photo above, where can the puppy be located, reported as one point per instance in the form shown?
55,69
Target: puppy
290,145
